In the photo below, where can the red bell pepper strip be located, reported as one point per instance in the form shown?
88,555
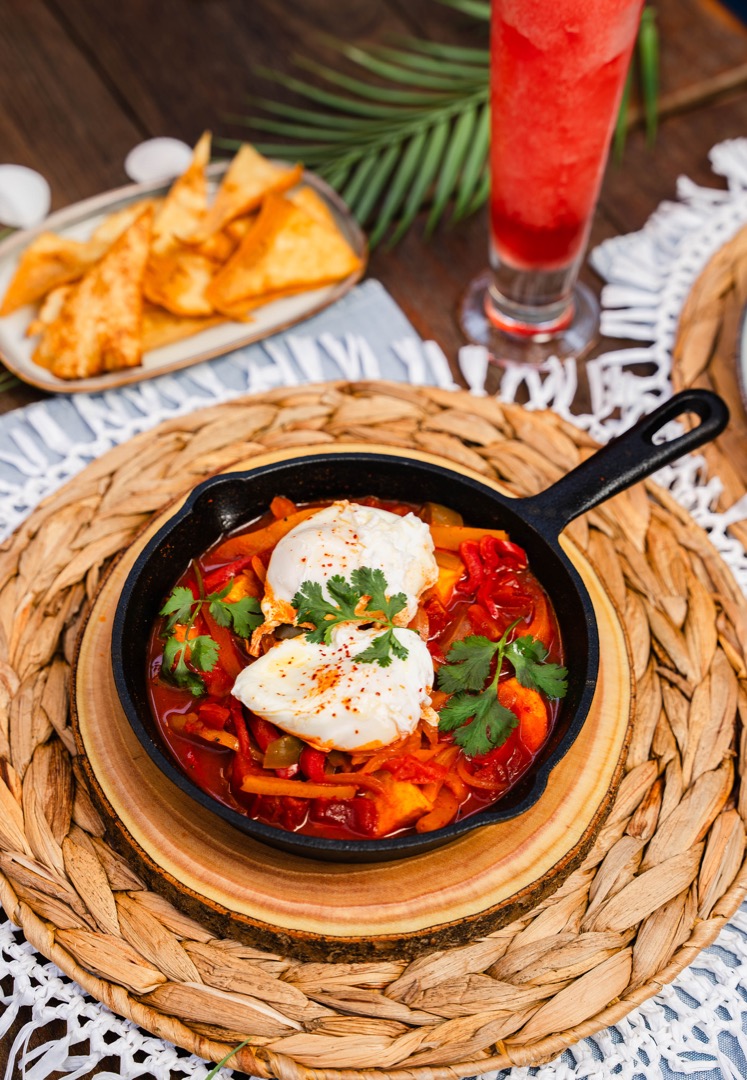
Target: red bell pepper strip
239,725
312,762
469,553
263,731
228,654
216,579
503,593
213,714
242,761
366,815
495,553
486,557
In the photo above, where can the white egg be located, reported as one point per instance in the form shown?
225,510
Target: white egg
24,197
348,536
161,158
322,694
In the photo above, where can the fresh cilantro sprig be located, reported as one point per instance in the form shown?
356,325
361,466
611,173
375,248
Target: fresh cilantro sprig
181,609
242,616
203,654
528,657
362,599
478,719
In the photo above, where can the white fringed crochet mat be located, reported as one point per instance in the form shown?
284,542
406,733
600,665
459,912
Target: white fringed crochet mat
694,1027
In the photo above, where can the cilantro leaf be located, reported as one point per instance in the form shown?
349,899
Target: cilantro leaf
372,583
490,723
178,606
203,652
457,711
468,664
246,614
312,607
243,615
221,594
528,656
345,605
183,608
346,596
219,610
474,713
174,668
380,649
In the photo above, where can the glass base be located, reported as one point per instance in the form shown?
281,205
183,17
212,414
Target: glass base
570,336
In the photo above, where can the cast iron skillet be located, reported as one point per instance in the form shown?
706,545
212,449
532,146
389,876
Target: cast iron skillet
222,503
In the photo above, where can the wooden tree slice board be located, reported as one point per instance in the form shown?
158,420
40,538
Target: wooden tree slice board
269,897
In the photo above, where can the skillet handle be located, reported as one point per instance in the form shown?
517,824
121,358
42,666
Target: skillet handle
630,457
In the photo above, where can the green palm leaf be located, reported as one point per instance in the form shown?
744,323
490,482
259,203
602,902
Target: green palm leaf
471,65
474,163
648,52
467,54
359,180
7,380
477,8
427,169
431,76
367,90
411,128
383,167
453,165
621,125
401,181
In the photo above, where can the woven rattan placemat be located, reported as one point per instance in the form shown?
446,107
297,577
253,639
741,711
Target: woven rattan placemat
664,875
706,354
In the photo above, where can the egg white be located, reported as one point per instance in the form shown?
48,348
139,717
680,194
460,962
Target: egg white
322,694
344,537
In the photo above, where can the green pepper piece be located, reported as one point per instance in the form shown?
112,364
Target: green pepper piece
283,752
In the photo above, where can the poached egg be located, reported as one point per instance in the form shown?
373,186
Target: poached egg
344,537
322,694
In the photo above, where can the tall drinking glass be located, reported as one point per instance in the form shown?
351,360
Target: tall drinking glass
558,69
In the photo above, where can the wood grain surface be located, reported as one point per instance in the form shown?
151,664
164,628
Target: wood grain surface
86,79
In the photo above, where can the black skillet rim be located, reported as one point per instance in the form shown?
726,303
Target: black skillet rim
320,847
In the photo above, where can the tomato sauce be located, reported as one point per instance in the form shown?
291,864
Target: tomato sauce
419,783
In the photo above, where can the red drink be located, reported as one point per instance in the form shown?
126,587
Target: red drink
558,72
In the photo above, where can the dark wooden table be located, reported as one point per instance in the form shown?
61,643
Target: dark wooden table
82,81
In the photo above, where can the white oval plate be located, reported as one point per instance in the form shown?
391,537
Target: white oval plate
79,221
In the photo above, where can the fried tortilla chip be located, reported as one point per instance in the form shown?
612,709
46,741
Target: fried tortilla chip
219,247
313,204
184,208
50,310
47,262
99,326
113,225
163,328
238,228
177,276
250,178
287,251
178,280
50,260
